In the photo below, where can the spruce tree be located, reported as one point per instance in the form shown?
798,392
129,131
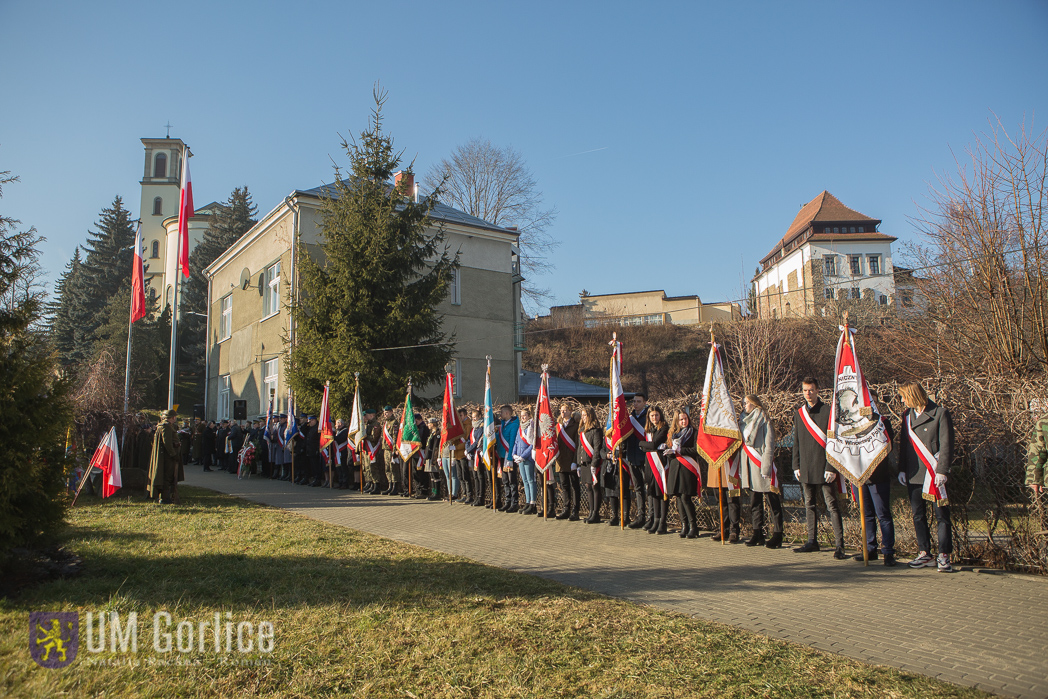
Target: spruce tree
68,315
381,273
106,265
228,223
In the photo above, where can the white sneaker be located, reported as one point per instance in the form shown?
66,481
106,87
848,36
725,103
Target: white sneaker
922,561
944,563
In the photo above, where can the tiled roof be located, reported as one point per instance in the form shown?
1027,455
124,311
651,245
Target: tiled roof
823,208
441,212
854,237
560,388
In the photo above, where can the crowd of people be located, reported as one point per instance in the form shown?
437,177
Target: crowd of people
586,468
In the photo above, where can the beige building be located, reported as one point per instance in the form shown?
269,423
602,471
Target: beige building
642,308
249,327
830,253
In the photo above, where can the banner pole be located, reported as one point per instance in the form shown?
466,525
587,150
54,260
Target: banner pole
545,489
622,504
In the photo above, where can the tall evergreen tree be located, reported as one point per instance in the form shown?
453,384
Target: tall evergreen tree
229,222
106,265
149,347
376,285
69,315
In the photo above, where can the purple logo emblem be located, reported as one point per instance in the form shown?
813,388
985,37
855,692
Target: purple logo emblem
54,638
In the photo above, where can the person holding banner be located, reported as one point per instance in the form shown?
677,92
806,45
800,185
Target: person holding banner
524,462
508,429
460,470
812,470
390,456
165,463
567,469
475,455
876,505
590,455
635,459
758,472
925,455
656,431
683,477
373,452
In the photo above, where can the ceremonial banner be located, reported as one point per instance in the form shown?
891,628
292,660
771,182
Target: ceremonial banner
489,422
719,436
292,423
357,431
185,212
409,440
107,459
544,443
269,420
138,279
618,427
856,440
327,432
450,424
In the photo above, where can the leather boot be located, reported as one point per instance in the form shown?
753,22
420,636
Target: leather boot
639,521
651,523
613,505
775,542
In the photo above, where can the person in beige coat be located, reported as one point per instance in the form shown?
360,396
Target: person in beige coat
758,472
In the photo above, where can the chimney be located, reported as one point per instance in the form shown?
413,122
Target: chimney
407,179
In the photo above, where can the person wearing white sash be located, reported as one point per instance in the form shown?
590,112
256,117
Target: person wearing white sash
567,468
925,454
813,471
590,455
652,446
683,476
758,472
524,461
635,460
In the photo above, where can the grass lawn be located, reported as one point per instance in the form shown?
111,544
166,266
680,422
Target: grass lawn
358,615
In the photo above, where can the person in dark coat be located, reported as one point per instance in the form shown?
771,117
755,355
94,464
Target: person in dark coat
591,454
656,432
636,460
207,445
236,440
682,480
315,476
933,427
220,445
567,468
876,502
475,458
812,470
165,464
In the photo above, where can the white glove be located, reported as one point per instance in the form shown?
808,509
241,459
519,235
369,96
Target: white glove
518,458
902,478
574,467
662,447
797,475
940,480
829,476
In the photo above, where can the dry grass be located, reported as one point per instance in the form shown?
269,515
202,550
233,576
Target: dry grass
357,615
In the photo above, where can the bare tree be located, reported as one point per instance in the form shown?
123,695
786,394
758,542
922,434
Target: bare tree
495,184
984,245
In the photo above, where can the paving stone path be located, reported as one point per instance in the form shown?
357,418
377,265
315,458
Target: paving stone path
983,629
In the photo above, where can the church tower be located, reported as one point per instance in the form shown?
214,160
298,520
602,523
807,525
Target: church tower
160,189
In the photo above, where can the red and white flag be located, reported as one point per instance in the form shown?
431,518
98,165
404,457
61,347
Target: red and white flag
618,427
327,432
450,424
544,443
856,439
185,212
107,458
719,436
138,279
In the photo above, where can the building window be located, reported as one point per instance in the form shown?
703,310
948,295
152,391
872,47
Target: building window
860,229
152,295
160,165
907,298
158,206
455,288
787,309
271,298
855,293
830,263
223,397
269,379
155,252
884,300
836,229
456,381
874,262
856,264
853,229
225,324
829,294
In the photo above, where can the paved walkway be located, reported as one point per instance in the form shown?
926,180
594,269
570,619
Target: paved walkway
980,629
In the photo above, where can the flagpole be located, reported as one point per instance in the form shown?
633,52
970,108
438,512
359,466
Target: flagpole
175,287
127,364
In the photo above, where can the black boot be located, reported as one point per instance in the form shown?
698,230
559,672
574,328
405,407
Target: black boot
775,542
594,503
757,539
613,506
641,516
651,522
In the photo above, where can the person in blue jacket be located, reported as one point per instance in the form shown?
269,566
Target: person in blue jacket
524,463
508,428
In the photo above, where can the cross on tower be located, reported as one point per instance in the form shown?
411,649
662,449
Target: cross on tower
168,127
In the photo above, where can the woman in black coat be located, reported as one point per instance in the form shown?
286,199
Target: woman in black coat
591,439
656,434
682,472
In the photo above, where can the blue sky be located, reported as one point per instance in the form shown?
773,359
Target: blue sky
715,122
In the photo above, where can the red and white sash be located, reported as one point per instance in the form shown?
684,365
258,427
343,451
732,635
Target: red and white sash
814,430
371,449
692,465
522,434
563,436
594,461
755,457
657,467
638,429
505,444
390,441
929,490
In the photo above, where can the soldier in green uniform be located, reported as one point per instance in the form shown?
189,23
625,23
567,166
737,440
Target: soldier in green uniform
165,464
1037,455
390,457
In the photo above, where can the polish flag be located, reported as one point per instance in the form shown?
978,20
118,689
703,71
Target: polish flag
618,427
544,443
450,425
138,280
107,458
185,212
327,432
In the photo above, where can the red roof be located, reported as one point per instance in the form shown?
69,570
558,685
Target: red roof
824,208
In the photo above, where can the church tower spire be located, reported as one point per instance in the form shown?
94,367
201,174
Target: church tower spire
163,163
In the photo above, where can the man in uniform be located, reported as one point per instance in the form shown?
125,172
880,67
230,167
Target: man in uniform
810,422
165,464
636,460
372,444
390,457
566,469
1037,456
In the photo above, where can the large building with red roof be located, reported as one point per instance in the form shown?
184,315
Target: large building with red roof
830,254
